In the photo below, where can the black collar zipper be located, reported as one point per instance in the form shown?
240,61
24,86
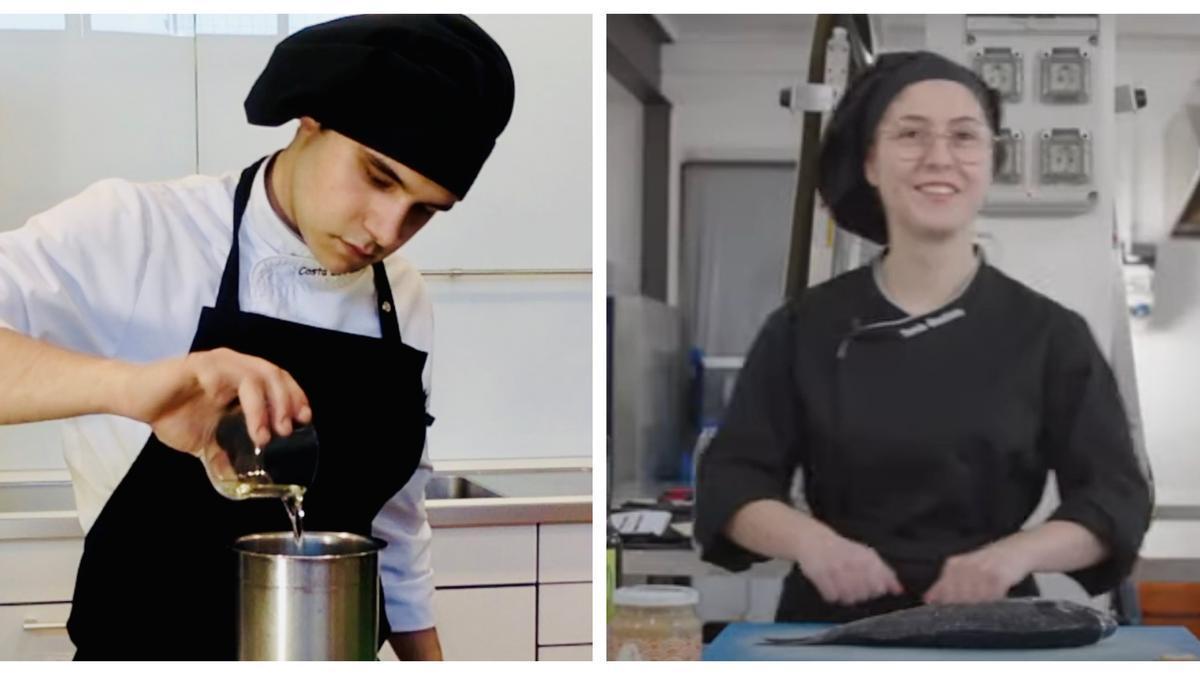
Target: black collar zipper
857,328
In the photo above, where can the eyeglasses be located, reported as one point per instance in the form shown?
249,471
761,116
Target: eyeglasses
969,146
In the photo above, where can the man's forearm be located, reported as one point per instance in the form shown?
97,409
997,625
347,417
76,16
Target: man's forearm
39,381
417,645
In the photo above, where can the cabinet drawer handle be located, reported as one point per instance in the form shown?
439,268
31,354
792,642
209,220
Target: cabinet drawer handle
44,625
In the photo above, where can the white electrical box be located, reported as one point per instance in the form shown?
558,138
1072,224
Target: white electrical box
1010,146
1065,75
1048,217
1003,70
1044,68
1066,157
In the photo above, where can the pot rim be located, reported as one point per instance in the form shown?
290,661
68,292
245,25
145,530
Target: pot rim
366,546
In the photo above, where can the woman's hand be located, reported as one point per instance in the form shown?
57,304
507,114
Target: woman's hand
980,576
843,571
988,573
846,572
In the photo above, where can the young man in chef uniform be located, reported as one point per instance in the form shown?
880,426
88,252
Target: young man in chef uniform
148,309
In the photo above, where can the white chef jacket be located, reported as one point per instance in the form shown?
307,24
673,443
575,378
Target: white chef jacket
123,269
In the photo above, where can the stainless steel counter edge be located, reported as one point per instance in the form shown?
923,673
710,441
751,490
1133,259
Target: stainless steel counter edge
442,513
508,511
534,464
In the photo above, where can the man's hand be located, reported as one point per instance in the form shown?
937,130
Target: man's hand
418,645
182,399
846,572
980,576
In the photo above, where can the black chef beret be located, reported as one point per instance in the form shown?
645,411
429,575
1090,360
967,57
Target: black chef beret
432,92
841,180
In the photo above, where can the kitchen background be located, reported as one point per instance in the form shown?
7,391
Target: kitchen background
701,177
151,97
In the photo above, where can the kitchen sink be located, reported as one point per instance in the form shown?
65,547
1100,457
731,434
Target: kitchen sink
36,497
455,487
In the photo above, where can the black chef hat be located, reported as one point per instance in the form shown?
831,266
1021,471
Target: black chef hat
842,182
432,92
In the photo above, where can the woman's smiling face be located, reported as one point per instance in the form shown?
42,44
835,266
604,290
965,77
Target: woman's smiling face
931,159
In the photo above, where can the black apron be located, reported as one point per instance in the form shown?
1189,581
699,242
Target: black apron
158,579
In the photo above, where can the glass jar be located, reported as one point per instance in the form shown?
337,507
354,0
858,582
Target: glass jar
654,623
239,469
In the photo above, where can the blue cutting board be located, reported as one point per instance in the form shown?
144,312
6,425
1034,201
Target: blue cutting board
739,642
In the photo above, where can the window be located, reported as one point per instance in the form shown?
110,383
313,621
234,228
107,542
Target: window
237,24
33,21
179,25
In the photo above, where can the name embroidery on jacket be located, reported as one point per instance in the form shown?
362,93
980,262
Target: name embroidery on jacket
932,322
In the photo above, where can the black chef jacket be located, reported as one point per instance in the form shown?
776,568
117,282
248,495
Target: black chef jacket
924,436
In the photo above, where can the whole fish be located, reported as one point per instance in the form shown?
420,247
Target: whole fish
1018,623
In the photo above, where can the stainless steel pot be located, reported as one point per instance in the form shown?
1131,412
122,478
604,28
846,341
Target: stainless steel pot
316,600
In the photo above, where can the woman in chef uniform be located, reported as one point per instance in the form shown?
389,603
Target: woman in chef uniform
158,305
924,396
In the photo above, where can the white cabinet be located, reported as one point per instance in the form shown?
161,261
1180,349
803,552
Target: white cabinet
564,614
38,570
484,556
486,624
572,653
502,593
35,632
564,552
514,592
565,592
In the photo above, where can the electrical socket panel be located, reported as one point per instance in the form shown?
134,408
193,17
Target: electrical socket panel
1066,157
1010,146
1049,72
1065,76
1001,69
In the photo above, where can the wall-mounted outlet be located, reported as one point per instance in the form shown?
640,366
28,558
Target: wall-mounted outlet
1066,157
1001,69
1065,75
1010,148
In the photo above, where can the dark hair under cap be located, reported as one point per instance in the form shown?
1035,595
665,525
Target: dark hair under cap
842,181
432,92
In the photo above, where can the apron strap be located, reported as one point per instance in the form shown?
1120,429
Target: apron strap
227,294
389,323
